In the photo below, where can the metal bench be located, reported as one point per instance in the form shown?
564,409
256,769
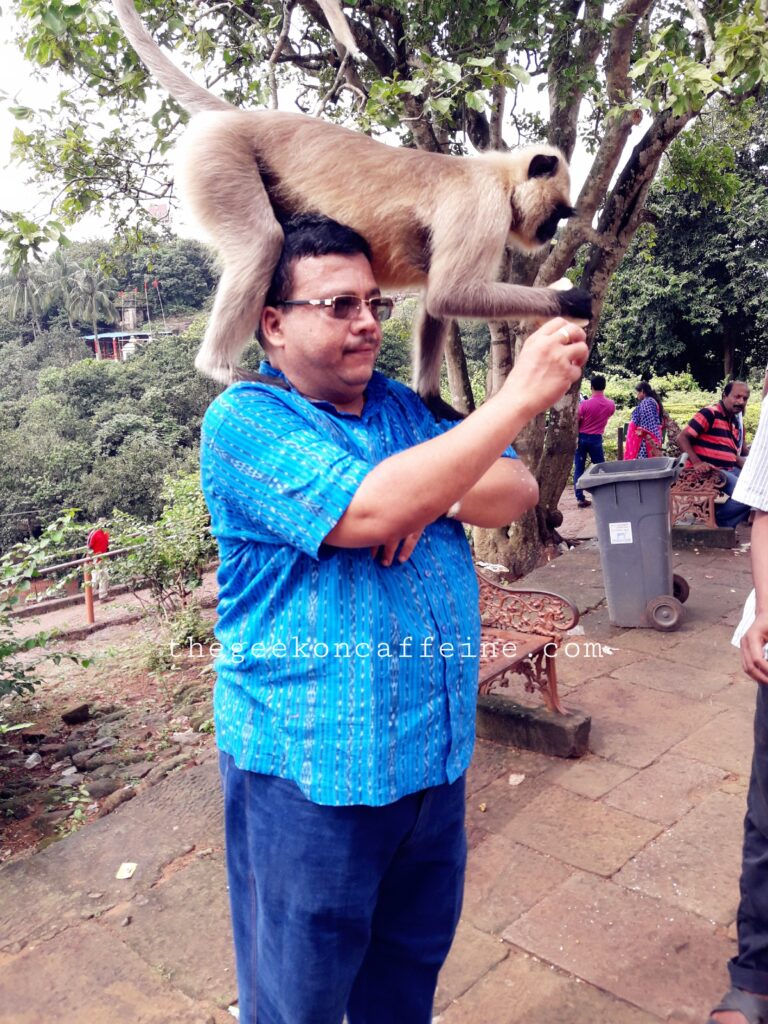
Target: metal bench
519,629
693,494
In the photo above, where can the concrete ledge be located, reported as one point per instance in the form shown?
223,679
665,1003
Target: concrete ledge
703,537
516,725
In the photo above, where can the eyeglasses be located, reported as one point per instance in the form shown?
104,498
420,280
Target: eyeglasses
347,307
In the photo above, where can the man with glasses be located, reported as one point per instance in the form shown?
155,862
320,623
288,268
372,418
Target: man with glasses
349,626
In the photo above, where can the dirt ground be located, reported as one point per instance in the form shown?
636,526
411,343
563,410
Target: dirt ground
142,714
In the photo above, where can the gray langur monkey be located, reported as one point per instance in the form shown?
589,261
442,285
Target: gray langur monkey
436,222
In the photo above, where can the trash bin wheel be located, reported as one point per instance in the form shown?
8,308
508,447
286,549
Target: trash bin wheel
665,613
680,588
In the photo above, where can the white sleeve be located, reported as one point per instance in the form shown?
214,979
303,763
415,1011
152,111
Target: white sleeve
752,486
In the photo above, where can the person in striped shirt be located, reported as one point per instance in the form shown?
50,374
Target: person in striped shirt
714,436
349,630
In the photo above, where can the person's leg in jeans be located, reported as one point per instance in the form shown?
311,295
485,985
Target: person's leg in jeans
416,916
579,464
314,905
589,446
731,512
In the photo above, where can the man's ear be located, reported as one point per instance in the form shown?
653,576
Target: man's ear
271,326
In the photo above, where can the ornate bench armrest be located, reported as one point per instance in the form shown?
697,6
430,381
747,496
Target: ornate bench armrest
708,480
525,611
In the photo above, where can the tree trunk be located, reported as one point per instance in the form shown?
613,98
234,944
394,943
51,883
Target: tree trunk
462,398
729,356
96,345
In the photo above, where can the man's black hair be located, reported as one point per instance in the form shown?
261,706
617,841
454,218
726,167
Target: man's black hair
728,388
598,382
311,235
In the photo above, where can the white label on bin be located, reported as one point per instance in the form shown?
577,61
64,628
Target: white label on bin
621,533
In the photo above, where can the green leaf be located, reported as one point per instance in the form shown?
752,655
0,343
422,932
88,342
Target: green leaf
475,100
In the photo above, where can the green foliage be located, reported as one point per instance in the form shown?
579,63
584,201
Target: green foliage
96,435
169,555
21,657
690,292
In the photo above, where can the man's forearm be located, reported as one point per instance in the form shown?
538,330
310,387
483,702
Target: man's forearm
413,488
500,496
686,447
409,490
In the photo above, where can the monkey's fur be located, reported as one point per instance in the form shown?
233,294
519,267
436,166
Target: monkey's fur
432,221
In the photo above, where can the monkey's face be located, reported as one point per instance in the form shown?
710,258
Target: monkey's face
541,199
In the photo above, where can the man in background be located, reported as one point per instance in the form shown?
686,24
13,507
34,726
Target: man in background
714,437
594,413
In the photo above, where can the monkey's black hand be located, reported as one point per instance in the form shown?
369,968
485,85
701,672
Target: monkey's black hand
576,304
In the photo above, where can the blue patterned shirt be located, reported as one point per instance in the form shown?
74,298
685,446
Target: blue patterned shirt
358,682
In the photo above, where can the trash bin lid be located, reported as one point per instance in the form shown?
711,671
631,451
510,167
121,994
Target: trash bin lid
628,471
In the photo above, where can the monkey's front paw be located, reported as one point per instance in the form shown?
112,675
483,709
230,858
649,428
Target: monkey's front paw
576,304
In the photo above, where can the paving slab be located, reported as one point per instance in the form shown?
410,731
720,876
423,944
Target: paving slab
709,649
591,776
504,879
693,863
491,808
523,990
656,956
580,832
634,725
667,790
645,641
726,741
192,902
472,955
740,693
597,657
672,677
490,761
78,978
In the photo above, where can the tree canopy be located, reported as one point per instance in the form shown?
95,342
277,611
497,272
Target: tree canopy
626,79
691,290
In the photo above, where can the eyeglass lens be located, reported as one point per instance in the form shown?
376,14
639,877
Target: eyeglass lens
345,307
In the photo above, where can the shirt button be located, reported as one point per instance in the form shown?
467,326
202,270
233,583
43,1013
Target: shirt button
428,574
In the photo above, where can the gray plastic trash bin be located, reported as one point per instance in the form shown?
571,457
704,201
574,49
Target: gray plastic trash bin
631,501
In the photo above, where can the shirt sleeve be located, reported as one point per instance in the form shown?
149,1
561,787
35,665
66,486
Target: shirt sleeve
700,423
271,473
752,485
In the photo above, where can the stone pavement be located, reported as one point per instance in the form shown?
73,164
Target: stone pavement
598,890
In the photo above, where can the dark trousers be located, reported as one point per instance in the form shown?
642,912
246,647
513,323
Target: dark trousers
731,512
588,446
749,969
340,909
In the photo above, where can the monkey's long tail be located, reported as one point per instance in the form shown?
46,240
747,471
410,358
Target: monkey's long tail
186,91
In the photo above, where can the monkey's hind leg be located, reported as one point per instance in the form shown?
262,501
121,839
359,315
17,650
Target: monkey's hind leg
429,334
220,181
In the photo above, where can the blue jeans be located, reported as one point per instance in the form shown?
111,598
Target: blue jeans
731,512
588,445
340,909
749,968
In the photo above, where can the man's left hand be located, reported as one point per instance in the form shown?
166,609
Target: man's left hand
386,552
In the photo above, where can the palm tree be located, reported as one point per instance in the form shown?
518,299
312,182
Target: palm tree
60,283
25,292
95,290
